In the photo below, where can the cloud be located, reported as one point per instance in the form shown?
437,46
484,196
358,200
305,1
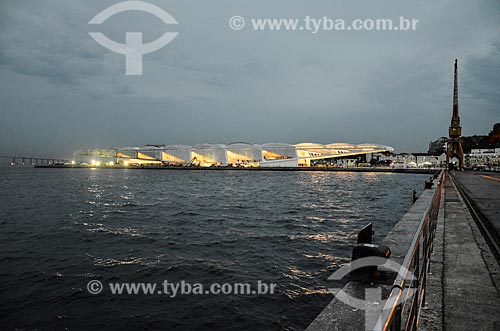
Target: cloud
40,42
483,80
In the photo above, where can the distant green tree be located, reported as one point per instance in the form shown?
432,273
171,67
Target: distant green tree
492,140
474,142
494,136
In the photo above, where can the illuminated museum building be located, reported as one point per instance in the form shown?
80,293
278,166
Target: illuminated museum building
235,154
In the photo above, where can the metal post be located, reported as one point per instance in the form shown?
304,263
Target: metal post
413,197
397,321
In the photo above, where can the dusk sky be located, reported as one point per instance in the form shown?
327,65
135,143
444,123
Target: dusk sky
61,91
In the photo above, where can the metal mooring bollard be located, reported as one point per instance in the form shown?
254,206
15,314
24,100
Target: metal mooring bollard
365,248
365,234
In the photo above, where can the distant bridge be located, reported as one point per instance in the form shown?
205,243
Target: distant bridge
30,160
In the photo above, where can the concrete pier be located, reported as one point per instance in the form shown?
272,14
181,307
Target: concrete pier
341,316
483,188
463,288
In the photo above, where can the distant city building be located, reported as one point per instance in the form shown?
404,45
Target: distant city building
236,154
485,152
438,146
414,160
483,157
393,158
430,160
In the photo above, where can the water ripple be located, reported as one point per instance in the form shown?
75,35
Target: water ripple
62,228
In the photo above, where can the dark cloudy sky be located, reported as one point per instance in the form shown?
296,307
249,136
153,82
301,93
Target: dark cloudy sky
61,91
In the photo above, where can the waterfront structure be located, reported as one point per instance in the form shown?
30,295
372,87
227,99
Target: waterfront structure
438,146
485,157
237,154
442,233
455,148
427,160
413,160
489,157
400,160
30,160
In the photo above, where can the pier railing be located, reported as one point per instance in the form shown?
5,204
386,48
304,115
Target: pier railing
405,301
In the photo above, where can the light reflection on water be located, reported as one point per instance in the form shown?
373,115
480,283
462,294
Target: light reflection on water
289,228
